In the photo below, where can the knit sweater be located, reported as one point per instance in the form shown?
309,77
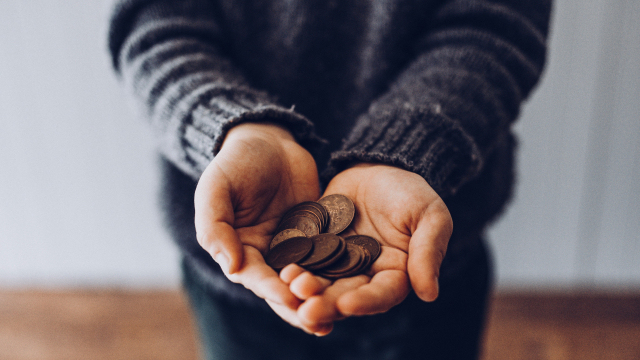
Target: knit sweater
430,86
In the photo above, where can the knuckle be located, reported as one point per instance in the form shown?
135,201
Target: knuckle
203,239
208,243
441,217
439,254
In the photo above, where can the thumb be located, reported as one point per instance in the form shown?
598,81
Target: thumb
427,247
214,218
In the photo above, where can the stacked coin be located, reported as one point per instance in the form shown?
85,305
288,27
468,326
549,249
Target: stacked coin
308,236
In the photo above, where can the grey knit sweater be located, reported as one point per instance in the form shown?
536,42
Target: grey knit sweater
431,86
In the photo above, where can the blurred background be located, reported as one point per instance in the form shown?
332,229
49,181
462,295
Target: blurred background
87,270
78,177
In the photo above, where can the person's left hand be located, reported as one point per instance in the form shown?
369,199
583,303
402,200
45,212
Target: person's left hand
399,209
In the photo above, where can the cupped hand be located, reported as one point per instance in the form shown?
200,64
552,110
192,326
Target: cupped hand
259,173
401,210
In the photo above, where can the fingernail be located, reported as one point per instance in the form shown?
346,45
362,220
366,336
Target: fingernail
325,330
223,261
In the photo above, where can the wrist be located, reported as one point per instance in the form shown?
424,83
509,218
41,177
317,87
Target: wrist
264,130
369,170
364,166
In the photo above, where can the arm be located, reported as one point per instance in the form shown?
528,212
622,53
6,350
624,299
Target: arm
448,110
440,119
171,57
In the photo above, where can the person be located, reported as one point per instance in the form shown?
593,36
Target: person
404,106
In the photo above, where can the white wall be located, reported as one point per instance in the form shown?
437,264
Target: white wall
575,218
78,176
77,172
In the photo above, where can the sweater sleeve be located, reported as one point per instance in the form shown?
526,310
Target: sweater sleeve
171,57
454,103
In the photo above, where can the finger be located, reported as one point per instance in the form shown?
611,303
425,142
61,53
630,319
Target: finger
427,247
291,317
221,241
321,309
214,218
385,290
302,283
260,278
323,329
290,272
307,285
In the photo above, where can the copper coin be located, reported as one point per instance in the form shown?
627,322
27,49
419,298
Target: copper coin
341,212
307,205
332,259
296,207
366,261
288,252
349,261
304,224
367,242
337,255
310,213
322,213
324,246
284,235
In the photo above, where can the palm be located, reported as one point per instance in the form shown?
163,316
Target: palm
265,183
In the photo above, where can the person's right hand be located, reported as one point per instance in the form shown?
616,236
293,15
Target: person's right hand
259,173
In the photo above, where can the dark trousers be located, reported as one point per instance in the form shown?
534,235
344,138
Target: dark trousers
449,328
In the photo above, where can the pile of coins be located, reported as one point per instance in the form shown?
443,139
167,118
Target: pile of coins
308,236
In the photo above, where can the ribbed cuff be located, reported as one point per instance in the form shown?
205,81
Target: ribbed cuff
210,123
424,142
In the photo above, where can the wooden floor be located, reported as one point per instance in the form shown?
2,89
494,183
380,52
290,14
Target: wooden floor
564,326
48,325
